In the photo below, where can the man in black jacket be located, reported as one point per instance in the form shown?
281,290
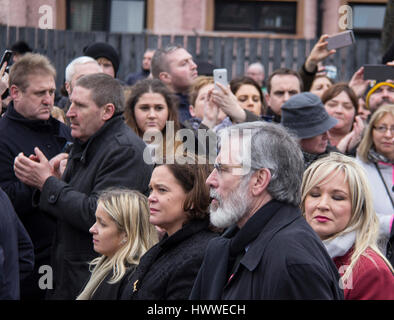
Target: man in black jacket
284,83
133,78
268,251
28,124
106,154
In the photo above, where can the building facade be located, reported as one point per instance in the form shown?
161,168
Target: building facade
297,19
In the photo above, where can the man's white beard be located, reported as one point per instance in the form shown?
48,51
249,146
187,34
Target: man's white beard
233,208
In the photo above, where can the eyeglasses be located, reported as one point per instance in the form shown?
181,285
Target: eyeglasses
383,129
220,167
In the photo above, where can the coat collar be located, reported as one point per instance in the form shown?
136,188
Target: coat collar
185,232
45,125
253,227
148,259
80,149
282,217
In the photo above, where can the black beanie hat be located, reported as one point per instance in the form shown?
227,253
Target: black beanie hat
103,50
21,47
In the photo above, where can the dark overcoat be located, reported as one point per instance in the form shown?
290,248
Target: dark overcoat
113,157
18,134
286,260
167,271
16,251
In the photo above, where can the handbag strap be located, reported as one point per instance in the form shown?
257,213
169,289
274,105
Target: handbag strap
384,183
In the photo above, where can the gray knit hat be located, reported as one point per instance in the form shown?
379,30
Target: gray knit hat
304,115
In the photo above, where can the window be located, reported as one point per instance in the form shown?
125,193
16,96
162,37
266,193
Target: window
106,15
127,16
253,16
368,18
87,15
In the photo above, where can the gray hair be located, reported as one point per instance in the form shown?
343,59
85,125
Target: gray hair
258,65
70,69
104,89
272,147
159,60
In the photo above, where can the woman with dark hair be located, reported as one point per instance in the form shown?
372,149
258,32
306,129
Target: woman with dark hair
151,111
178,203
320,84
249,95
341,102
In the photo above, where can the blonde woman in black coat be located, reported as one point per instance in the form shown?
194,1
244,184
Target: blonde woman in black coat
122,234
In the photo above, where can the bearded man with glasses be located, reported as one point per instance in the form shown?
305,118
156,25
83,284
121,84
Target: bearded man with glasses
268,251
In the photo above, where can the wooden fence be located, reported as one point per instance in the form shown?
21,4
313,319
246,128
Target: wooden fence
61,46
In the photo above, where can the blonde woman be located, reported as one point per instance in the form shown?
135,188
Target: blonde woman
337,203
122,234
376,155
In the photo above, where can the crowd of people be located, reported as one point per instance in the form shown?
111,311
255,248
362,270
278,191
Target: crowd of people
169,186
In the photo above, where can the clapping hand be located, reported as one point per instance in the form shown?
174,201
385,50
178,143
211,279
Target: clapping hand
351,140
33,170
59,163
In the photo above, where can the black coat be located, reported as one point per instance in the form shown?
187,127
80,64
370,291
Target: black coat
284,260
113,157
112,291
16,251
18,134
168,270
133,78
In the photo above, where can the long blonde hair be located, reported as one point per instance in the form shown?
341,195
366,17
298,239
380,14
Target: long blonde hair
129,209
364,220
367,142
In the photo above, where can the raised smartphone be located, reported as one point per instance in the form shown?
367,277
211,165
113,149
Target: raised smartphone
220,76
341,40
378,72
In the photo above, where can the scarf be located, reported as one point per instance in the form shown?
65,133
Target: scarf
309,158
376,157
338,246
